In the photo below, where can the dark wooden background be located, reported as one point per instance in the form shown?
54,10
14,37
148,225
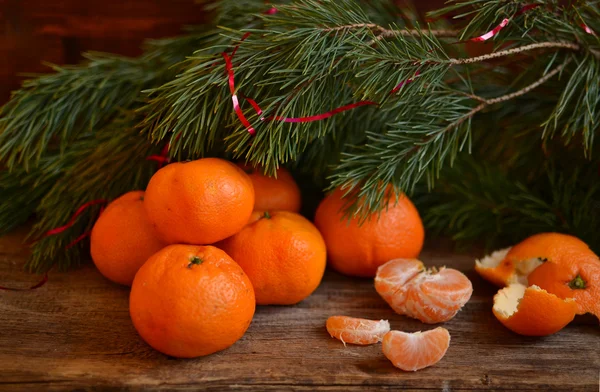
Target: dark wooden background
57,31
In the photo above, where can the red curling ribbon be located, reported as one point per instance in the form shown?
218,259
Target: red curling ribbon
78,239
587,29
246,35
254,105
492,32
407,81
163,157
73,219
321,116
234,98
35,286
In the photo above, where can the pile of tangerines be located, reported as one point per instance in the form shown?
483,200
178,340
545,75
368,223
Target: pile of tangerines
209,240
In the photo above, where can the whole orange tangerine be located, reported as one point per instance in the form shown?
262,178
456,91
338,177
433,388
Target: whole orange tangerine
188,301
358,249
274,193
123,239
199,202
283,254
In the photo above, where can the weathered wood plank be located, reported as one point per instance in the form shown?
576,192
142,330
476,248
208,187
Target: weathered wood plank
75,332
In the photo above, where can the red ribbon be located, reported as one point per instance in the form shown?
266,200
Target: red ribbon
257,108
163,157
78,239
73,219
35,286
588,30
321,116
399,86
492,32
234,98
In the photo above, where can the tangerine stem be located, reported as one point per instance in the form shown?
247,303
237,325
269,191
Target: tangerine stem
195,260
267,215
578,283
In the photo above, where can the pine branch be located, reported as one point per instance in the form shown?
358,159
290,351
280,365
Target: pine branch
106,165
52,111
479,201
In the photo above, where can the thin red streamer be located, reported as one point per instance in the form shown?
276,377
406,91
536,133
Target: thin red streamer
73,219
234,98
257,108
587,29
35,286
321,116
492,32
163,157
78,239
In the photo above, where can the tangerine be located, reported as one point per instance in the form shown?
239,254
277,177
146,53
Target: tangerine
513,265
123,239
283,254
429,295
274,193
188,301
358,249
576,276
199,202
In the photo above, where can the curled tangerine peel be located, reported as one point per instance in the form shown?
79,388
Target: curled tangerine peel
415,351
514,265
357,330
532,311
578,278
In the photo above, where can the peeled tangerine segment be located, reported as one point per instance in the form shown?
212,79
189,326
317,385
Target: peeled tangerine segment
432,296
392,277
436,296
414,351
357,330
532,311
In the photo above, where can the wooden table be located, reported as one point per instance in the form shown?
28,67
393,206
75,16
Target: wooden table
75,333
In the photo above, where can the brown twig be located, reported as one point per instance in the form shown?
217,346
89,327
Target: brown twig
520,49
387,33
487,102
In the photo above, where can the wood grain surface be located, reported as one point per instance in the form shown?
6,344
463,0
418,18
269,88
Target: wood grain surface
74,333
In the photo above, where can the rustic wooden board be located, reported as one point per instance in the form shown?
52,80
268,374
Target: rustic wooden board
75,333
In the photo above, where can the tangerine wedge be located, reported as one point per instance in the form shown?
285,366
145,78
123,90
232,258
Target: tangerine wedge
532,311
429,295
391,279
436,296
357,330
415,351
